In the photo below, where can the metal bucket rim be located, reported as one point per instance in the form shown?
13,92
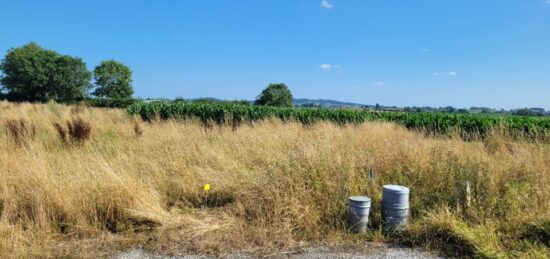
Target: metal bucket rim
359,199
396,189
360,205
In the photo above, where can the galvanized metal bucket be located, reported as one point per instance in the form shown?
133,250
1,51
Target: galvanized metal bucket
395,206
359,208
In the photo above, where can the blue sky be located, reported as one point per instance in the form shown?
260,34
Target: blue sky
464,53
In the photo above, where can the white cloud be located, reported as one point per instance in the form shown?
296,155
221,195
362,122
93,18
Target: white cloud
331,67
326,4
450,73
378,83
325,66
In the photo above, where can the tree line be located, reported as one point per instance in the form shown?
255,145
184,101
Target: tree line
34,74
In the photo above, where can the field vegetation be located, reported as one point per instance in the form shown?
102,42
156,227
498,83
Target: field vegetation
113,181
469,126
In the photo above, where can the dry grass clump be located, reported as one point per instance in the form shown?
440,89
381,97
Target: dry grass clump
138,130
455,237
63,133
77,131
273,185
77,109
20,131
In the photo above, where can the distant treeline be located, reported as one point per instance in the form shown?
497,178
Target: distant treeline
33,74
449,109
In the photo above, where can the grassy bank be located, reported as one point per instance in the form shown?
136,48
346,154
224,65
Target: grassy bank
273,185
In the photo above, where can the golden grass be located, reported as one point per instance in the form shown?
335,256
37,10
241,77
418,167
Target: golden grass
273,185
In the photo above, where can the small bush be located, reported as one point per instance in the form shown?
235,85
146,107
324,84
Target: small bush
21,131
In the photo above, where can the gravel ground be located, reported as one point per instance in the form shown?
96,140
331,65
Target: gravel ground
316,252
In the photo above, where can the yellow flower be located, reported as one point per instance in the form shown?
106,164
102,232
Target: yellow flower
206,187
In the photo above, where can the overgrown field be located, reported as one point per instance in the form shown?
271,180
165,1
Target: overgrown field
469,126
85,182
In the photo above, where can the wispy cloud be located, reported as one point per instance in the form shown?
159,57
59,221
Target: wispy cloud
326,4
428,50
378,83
331,67
450,73
325,66
546,2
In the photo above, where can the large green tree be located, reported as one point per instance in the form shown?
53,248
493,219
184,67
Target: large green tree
32,73
114,80
71,78
275,95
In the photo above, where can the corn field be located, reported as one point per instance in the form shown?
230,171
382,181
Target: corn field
468,125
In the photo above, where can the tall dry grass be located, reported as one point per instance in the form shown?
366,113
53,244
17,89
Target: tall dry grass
273,185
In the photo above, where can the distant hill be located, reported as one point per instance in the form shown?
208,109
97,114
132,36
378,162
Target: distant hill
304,101
326,103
